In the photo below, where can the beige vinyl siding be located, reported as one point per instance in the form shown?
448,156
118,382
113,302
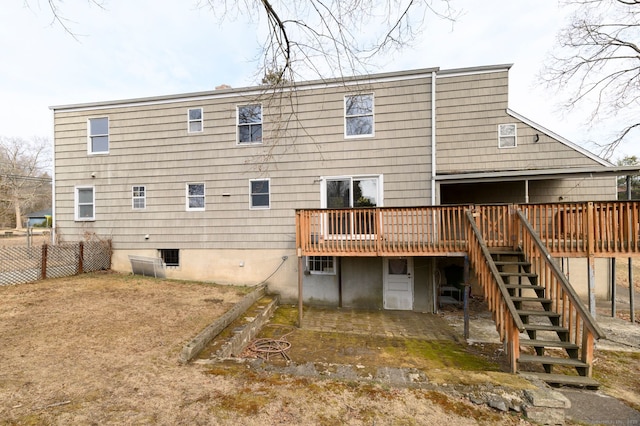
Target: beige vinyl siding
469,110
149,145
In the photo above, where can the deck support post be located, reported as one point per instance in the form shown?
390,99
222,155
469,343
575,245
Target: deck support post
300,276
467,291
613,287
632,315
591,284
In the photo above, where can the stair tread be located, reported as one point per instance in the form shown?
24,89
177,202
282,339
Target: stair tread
507,262
538,313
552,360
548,343
525,286
518,274
530,299
563,379
545,327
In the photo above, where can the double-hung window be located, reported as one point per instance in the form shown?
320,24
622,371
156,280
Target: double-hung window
507,137
195,120
195,196
358,115
85,203
98,135
138,197
260,194
250,124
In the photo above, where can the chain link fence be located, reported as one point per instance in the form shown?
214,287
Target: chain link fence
26,264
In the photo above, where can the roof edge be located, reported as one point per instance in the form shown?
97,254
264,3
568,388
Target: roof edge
561,139
254,90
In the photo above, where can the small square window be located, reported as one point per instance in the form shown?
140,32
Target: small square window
195,196
195,120
170,257
85,203
250,124
321,265
507,137
98,135
138,197
260,195
358,115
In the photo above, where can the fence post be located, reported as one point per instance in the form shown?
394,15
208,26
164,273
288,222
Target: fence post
80,258
43,263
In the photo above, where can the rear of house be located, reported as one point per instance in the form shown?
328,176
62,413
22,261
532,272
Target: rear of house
210,182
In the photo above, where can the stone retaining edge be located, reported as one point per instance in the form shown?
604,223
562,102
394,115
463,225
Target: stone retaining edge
237,343
197,344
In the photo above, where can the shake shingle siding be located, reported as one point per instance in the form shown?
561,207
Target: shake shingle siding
149,145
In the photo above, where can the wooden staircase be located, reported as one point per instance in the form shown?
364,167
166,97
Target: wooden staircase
545,342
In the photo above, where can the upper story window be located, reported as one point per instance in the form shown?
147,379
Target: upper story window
250,124
195,120
85,203
260,194
507,137
358,115
195,196
138,197
98,135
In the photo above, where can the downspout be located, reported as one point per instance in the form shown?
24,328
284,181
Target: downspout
526,191
53,182
433,138
433,181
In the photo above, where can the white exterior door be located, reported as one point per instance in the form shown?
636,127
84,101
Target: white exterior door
398,283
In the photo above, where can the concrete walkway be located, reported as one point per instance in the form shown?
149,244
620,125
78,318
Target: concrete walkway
407,324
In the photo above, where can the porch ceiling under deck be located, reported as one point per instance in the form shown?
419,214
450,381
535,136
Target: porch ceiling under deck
519,175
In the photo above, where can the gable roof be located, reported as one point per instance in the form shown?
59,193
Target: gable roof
559,138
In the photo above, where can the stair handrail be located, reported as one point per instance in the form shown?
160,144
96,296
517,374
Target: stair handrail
495,273
585,315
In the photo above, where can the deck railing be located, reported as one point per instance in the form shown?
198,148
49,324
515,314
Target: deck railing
508,322
381,231
599,229
573,315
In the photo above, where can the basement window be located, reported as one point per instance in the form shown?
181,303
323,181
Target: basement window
321,265
170,257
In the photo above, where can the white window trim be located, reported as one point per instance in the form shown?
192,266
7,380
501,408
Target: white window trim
251,207
323,187
238,143
515,135
89,136
204,195
134,197
373,116
76,203
189,121
322,272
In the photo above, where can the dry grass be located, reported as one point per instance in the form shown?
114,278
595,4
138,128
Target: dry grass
103,349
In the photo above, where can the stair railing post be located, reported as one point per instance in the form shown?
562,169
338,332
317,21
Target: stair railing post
587,349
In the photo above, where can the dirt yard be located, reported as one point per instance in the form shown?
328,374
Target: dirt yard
103,349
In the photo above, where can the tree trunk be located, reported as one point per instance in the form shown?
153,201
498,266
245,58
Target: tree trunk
18,210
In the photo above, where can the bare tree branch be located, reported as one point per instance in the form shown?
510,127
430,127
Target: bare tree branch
597,61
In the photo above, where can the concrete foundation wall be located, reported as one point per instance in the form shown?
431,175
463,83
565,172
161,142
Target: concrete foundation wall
362,282
236,267
576,269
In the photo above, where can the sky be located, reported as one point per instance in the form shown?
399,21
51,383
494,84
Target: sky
130,49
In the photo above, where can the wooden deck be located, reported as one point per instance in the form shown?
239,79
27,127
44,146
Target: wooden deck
593,229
